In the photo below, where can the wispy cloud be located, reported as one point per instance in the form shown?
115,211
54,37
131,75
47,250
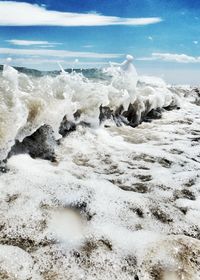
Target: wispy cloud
171,57
181,58
88,46
25,14
195,42
146,58
57,53
48,46
30,43
35,61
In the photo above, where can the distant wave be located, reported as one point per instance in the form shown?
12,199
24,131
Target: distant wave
90,73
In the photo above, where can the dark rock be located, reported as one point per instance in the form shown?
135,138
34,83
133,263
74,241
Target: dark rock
40,144
3,167
161,215
119,111
140,188
138,211
153,114
77,114
107,243
12,198
84,124
197,99
105,113
131,115
120,120
126,188
184,210
185,193
196,139
165,162
144,178
188,194
196,90
171,107
66,127
190,183
176,151
194,232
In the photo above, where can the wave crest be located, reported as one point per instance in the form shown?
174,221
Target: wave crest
28,102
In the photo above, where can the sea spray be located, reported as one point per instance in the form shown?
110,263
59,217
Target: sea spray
28,102
117,202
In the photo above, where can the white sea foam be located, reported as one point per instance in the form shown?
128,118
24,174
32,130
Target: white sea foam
26,103
119,202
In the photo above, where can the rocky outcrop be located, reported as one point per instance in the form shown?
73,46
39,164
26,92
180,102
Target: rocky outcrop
133,116
197,98
42,143
38,145
66,127
3,167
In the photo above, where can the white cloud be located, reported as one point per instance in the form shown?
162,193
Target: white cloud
150,38
181,58
88,46
30,43
48,46
29,61
14,13
56,53
195,42
171,57
146,58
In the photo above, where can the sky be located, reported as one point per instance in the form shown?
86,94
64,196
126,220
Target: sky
162,35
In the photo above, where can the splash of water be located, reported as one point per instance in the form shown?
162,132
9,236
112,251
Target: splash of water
28,102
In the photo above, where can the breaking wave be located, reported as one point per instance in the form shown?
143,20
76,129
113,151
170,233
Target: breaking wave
29,101
109,201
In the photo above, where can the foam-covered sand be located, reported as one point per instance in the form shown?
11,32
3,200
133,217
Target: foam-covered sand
119,202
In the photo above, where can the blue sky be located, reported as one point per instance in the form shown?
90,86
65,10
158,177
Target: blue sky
163,36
